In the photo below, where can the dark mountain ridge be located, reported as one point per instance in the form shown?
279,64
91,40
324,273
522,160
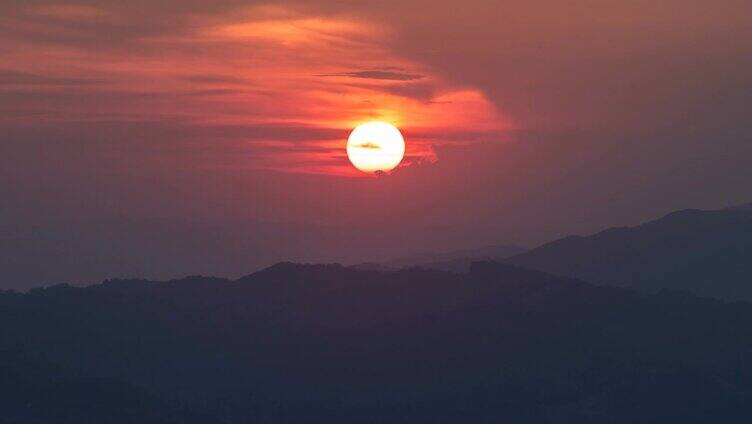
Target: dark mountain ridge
325,343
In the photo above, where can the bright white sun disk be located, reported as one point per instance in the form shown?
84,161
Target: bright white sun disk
375,146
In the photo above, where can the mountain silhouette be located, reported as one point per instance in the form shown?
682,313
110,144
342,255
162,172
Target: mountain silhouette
455,261
706,252
59,399
325,343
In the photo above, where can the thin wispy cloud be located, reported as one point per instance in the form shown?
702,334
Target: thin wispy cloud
377,74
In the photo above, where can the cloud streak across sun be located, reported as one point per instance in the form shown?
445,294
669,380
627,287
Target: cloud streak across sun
233,75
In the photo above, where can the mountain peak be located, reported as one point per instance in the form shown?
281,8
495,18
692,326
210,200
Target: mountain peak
705,251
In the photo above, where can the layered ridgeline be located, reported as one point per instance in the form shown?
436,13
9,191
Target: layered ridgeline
323,343
706,252
455,261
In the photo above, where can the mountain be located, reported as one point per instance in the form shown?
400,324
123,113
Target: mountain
706,252
325,343
57,399
455,261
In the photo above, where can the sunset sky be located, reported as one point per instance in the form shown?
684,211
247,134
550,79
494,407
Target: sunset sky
159,139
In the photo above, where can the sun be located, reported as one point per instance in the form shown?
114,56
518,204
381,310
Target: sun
375,146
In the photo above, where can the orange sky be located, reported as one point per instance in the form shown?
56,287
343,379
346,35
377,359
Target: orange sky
269,67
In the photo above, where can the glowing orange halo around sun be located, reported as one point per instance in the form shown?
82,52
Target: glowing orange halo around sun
375,146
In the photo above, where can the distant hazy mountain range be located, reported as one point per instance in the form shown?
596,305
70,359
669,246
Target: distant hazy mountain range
706,252
328,344
456,261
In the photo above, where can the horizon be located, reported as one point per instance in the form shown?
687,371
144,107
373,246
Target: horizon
422,259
